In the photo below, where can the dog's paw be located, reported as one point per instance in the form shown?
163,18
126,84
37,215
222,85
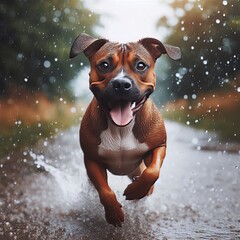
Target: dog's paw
113,209
142,186
114,215
136,190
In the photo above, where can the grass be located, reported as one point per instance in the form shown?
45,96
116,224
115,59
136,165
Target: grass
217,112
23,123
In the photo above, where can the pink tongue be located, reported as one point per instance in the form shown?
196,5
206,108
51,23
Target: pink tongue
121,113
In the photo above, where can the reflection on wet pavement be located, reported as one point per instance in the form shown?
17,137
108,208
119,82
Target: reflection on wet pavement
45,194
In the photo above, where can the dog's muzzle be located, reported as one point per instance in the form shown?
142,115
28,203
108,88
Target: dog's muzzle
122,99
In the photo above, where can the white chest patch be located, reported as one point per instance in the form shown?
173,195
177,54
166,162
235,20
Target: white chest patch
121,151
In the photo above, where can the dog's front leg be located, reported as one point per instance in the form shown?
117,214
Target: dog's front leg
98,176
142,185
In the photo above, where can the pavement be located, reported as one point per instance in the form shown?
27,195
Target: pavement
45,193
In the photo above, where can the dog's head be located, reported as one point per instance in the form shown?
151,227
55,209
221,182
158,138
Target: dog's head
122,75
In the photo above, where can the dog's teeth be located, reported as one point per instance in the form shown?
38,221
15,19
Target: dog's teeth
133,105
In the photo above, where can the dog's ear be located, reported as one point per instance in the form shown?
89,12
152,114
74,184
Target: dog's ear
156,48
86,44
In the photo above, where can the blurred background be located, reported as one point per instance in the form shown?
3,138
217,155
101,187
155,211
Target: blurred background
42,91
44,190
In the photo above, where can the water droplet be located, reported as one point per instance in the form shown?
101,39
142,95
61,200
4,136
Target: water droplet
217,21
225,3
73,110
67,10
194,96
20,56
47,64
194,141
200,7
43,19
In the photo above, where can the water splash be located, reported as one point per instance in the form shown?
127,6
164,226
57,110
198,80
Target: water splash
70,184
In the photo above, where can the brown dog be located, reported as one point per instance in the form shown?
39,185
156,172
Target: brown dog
122,130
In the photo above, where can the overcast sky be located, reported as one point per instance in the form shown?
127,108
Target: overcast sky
129,20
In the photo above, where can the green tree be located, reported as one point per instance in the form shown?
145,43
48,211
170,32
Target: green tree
208,34
35,39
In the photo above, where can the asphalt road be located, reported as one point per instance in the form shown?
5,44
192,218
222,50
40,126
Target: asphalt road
45,194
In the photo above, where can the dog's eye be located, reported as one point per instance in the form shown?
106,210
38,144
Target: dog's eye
104,66
141,66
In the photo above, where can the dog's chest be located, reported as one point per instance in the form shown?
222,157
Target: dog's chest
121,151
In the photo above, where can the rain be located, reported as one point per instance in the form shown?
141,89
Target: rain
45,192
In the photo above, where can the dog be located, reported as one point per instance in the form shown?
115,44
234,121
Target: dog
122,131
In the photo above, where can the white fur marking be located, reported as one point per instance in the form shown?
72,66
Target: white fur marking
122,152
121,74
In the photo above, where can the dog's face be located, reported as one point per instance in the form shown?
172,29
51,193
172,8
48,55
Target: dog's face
122,75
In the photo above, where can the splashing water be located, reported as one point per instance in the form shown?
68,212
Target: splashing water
178,202
197,196
65,181
69,185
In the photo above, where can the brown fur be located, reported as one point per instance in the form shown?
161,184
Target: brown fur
148,127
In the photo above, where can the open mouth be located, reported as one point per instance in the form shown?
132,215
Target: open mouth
122,111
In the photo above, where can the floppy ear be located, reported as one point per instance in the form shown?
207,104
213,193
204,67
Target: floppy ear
156,48
86,44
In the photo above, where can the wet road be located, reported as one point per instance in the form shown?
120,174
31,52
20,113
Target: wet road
45,194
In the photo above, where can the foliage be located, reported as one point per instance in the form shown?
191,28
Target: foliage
35,40
208,34
32,123
214,112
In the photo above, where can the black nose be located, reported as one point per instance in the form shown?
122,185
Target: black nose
121,84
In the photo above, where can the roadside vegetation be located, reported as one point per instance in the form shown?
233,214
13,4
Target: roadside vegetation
202,90
24,122
35,98
217,112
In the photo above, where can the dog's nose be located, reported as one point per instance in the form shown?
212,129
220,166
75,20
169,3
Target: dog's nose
122,84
